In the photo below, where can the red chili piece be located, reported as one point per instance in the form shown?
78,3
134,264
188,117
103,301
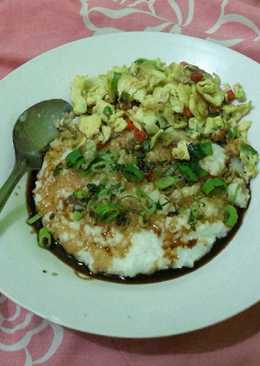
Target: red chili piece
230,95
187,112
139,135
196,76
130,125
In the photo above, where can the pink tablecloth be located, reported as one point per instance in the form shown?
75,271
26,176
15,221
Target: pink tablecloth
28,28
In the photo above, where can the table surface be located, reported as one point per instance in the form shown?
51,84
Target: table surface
28,28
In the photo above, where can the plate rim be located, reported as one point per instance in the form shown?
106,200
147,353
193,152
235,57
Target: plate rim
108,35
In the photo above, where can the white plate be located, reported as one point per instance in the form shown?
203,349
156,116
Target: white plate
225,286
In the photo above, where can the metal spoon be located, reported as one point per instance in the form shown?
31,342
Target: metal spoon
33,131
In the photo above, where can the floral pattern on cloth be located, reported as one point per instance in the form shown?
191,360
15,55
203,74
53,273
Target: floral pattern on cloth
230,23
26,339
21,333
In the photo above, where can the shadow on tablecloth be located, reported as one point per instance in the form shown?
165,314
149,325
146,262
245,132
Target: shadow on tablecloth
225,334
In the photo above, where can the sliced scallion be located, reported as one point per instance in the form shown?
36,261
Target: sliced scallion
57,170
187,172
212,183
107,111
166,182
77,215
34,219
80,194
73,158
132,172
125,97
197,169
106,212
230,215
94,188
99,165
194,213
233,133
140,61
114,82
80,163
201,150
248,149
44,238
206,148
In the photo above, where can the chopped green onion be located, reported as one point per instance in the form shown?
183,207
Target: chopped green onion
80,194
44,238
114,83
132,172
194,213
140,61
191,171
98,165
230,216
201,150
233,133
80,163
104,160
187,172
212,183
239,92
195,152
107,111
94,188
74,158
144,61
166,182
77,215
104,192
34,219
106,211
248,149
57,170
197,169
149,206
125,97
109,191
140,193
206,148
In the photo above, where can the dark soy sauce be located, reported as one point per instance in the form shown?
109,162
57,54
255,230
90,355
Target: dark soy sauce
159,276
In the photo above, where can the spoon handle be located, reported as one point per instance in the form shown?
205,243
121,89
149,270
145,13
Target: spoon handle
18,171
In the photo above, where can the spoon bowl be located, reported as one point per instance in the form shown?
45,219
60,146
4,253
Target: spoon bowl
35,128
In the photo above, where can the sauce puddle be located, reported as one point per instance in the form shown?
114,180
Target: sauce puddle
163,275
